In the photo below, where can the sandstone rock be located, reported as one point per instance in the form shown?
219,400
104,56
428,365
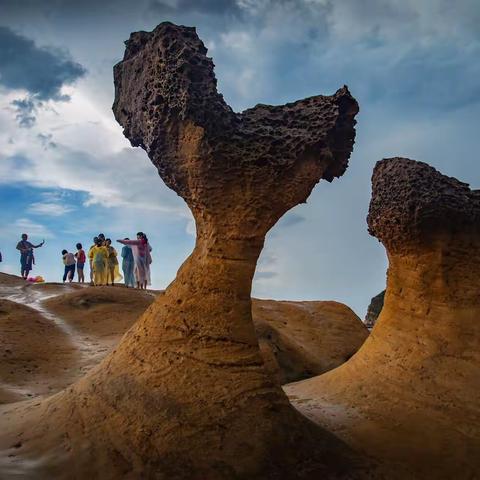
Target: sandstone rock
410,394
34,353
374,309
45,355
297,339
103,312
302,339
185,393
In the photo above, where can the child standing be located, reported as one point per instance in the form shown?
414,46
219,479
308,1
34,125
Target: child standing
81,259
69,262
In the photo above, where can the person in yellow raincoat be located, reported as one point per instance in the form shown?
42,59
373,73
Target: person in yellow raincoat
98,255
112,264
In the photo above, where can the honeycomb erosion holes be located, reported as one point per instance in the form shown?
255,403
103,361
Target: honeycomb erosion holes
185,393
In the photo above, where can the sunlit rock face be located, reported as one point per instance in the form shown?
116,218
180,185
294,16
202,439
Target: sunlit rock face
185,394
413,386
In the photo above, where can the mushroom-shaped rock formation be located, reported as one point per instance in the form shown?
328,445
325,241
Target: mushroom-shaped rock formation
185,394
411,393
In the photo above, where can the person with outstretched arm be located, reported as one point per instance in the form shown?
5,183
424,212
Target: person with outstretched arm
27,258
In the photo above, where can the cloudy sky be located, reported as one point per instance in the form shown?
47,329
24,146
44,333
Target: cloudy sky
67,173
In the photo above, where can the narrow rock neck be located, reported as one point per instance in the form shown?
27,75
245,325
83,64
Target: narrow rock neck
211,294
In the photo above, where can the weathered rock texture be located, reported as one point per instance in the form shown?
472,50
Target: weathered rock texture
185,394
299,340
34,353
411,393
374,309
105,313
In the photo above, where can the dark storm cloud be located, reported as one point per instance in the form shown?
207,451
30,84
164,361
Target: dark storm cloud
200,6
39,70
25,111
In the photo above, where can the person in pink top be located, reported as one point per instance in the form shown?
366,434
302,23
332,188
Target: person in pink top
142,259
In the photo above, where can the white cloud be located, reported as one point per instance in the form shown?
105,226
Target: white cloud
49,209
78,147
25,225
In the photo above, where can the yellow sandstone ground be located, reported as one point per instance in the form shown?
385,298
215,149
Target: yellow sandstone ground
34,353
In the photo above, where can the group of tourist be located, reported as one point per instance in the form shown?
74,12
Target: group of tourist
103,261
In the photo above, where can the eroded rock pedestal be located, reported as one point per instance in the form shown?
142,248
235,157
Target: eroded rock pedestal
411,393
185,394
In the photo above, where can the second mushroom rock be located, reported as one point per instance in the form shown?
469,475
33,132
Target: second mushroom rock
413,386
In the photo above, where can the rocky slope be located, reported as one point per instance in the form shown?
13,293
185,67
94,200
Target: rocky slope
302,339
411,393
34,352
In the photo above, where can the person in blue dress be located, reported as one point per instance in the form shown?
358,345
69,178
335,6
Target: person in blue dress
26,255
128,265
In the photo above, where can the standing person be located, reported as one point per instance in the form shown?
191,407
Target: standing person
128,265
142,259
27,258
98,254
81,259
112,262
69,262
95,240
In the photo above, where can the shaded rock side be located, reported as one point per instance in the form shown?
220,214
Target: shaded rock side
374,309
410,394
185,391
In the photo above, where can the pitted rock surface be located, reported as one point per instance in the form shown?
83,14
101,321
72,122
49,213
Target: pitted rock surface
166,100
411,202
